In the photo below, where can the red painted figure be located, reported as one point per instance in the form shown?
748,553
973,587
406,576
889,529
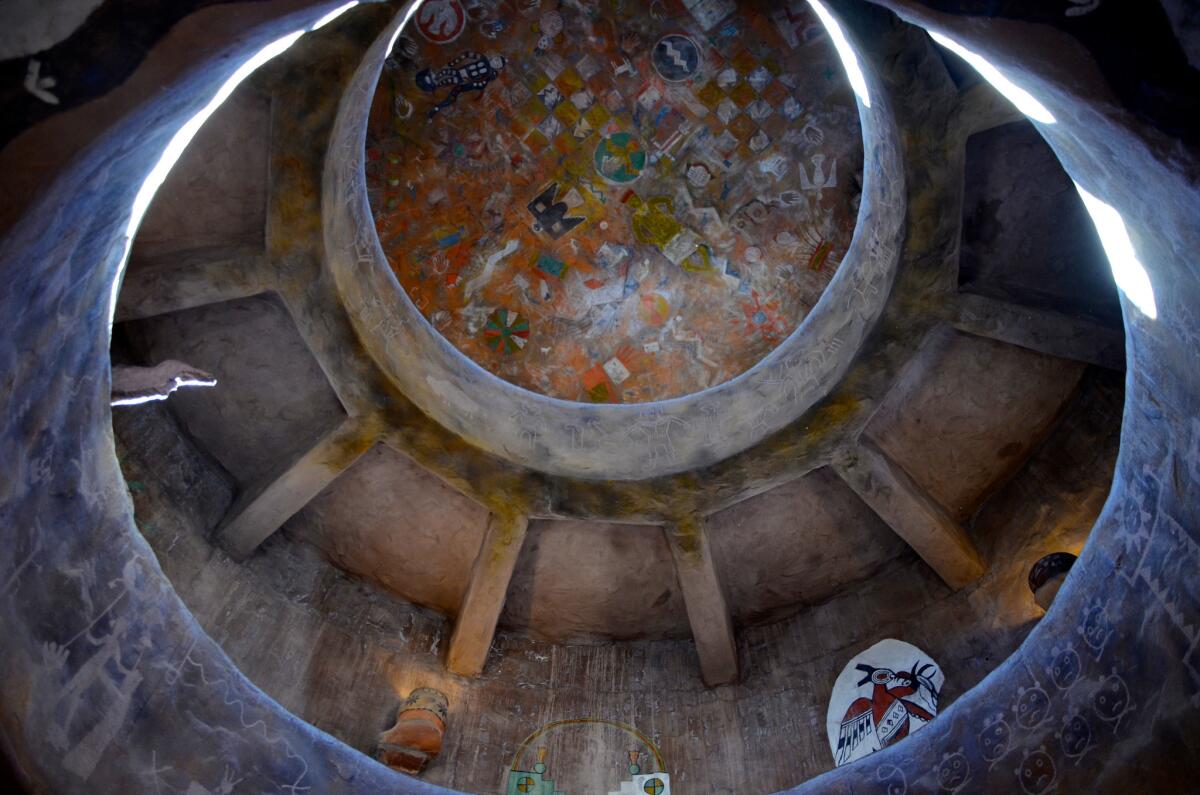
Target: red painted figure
887,713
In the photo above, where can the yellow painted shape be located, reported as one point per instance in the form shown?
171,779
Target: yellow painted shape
655,222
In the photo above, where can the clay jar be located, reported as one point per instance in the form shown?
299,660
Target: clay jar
416,738
1047,576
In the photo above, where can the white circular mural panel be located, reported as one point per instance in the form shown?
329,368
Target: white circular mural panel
882,695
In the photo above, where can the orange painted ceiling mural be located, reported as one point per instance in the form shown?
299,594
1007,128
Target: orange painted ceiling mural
614,201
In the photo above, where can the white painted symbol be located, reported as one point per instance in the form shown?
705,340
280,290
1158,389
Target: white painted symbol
709,12
699,175
624,68
441,21
616,370
40,86
488,266
676,56
813,134
820,180
776,165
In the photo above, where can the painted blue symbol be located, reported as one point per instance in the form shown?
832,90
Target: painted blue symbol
676,57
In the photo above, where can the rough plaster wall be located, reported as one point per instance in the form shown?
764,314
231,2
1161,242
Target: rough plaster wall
216,195
585,580
1026,234
30,26
388,520
108,675
271,400
967,413
797,545
187,478
340,653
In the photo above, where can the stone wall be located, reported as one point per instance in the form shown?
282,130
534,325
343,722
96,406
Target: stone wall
341,653
84,606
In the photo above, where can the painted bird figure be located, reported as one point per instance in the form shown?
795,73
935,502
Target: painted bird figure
884,718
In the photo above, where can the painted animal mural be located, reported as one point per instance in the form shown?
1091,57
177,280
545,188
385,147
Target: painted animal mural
882,696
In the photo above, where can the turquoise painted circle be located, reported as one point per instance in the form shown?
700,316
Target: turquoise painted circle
620,158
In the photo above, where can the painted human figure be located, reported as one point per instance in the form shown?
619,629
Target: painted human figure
470,71
887,713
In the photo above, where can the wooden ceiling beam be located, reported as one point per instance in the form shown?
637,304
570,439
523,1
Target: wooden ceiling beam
475,626
707,610
914,515
262,509
1041,330
191,278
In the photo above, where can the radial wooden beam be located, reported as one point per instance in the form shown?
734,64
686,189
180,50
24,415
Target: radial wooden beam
1040,330
915,516
261,510
312,301
708,613
475,626
191,278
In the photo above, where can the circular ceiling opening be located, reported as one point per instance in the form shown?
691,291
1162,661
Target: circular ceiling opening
613,204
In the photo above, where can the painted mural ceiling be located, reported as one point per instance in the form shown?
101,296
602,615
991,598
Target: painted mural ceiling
614,201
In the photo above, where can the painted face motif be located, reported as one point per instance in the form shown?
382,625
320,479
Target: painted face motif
953,772
1076,736
1036,773
1065,669
1032,707
894,779
1112,699
1095,627
994,740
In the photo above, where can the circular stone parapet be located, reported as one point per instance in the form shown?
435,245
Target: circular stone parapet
627,211
606,441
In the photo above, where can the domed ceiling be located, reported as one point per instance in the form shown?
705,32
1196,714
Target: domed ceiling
614,202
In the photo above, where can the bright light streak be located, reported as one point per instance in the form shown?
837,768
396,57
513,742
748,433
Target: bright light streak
1129,273
184,135
408,15
179,382
332,15
1018,96
846,52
